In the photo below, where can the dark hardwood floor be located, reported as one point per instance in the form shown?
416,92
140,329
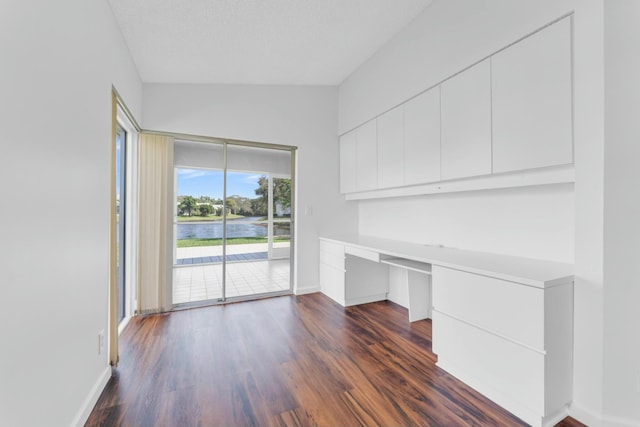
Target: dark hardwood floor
287,361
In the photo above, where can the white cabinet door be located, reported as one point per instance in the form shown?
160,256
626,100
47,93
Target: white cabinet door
422,138
531,80
348,162
391,148
466,123
367,157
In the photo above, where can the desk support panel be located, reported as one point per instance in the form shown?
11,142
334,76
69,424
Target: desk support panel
366,281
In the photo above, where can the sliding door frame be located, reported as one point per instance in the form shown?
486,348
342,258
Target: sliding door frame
119,115
226,143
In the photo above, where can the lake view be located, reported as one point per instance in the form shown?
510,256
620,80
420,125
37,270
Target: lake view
244,227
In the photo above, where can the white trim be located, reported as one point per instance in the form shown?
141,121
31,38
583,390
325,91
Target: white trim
597,419
585,415
131,215
92,398
611,421
564,174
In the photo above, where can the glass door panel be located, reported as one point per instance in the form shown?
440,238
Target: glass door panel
198,222
254,268
247,231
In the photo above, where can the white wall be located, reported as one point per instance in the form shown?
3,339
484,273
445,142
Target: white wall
448,36
622,212
59,60
511,221
291,115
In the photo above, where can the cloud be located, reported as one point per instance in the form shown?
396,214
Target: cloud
252,179
192,173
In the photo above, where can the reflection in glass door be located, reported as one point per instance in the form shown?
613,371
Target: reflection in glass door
232,222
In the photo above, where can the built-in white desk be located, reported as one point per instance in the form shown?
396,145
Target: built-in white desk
502,324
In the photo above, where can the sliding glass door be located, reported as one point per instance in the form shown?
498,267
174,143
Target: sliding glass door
232,222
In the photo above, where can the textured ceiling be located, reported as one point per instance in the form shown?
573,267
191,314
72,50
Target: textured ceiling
293,42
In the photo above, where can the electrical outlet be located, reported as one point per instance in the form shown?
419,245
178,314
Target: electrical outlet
100,342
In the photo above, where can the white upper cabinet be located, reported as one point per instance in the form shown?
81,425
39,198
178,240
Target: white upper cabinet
391,166
532,101
367,157
466,123
348,156
422,138
512,112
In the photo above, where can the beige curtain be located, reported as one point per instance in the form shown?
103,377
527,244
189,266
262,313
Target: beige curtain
156,210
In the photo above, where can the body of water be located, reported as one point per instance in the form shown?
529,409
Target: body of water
244,227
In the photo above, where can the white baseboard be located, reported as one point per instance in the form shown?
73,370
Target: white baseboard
585,415
93,396
595,419
610,421
309,290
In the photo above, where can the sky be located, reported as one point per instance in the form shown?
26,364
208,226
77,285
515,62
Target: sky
198,182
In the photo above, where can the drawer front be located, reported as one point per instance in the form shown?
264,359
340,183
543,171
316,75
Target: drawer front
508,309
362,253
331,248
332,260
501,370
332,283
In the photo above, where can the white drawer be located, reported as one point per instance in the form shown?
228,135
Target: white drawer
331,259
331,248
511,375
362,253
509,309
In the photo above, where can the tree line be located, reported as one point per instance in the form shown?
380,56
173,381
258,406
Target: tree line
206,206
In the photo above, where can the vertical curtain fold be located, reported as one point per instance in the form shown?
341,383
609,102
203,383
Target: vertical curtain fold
155,208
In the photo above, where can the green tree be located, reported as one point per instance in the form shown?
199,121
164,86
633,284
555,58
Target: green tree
205,210
187,204
231,205
260,204
281,193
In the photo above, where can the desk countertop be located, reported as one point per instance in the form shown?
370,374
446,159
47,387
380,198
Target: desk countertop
528,271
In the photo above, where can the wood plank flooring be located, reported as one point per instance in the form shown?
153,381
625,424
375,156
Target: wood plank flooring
287,361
